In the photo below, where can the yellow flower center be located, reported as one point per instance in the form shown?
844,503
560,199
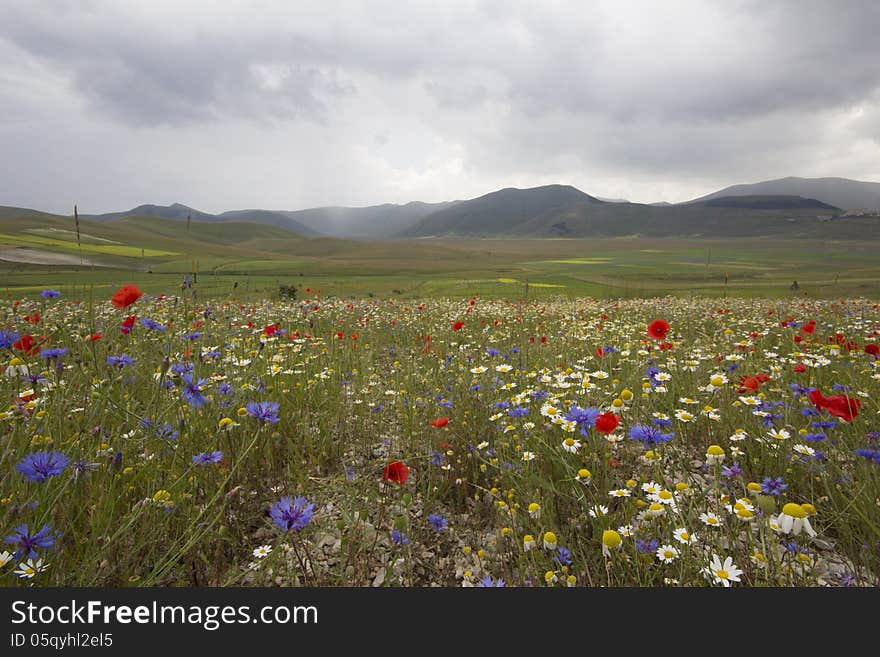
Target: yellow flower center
722,574
664,495
685,536
715,450
549,537
794,510
534,507
583,473
611,538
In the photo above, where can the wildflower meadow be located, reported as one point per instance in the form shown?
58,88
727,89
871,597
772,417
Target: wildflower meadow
174,441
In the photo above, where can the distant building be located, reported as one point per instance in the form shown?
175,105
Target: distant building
861,212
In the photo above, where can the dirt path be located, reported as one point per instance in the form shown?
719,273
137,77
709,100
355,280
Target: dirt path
38,257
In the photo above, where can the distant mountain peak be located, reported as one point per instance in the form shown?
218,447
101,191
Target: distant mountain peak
838,192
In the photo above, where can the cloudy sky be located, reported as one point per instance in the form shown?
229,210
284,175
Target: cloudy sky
292,104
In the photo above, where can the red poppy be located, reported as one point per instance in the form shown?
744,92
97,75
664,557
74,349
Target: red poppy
26,344
846,408
658,329
33,318
457,326
125,327
440,422
872,349
95,336
606,423
396,471
125,296
809,327
270,329
599,352
800,367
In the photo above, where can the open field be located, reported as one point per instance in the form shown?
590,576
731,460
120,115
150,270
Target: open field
455,441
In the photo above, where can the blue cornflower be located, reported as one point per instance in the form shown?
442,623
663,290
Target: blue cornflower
50,294
772,486
814,437
647,547
488,583
207,458
8,338
264,411
153,324
225,388
192,336
39,466
491,351
518,411
120,361
871,454
661,422
438,522
399,538
563,556
192,391
827,424
732,470
292,514
28,543
502,405
437,458
584,417
649,436
54,352
181,368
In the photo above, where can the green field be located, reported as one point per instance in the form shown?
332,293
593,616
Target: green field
257,258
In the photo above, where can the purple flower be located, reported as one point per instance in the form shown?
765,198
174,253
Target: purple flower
54,352
292,515
120,361
263,411
732,470
647,547
563,556
584,417
153,324
50,294
399,538
207,458
8,338
772,486
487,583
438,522
870,454
39,466
192,391
28,543
649,436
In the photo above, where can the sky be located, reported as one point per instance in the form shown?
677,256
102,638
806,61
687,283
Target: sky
289,104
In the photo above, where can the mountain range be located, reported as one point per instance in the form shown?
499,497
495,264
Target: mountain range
797,207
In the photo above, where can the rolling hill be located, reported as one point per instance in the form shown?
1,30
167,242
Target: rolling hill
839,192
180,212
559,211
506,212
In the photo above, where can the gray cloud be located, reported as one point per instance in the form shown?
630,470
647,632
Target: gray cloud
288,105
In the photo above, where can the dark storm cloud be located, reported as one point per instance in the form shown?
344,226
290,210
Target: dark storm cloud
355,103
